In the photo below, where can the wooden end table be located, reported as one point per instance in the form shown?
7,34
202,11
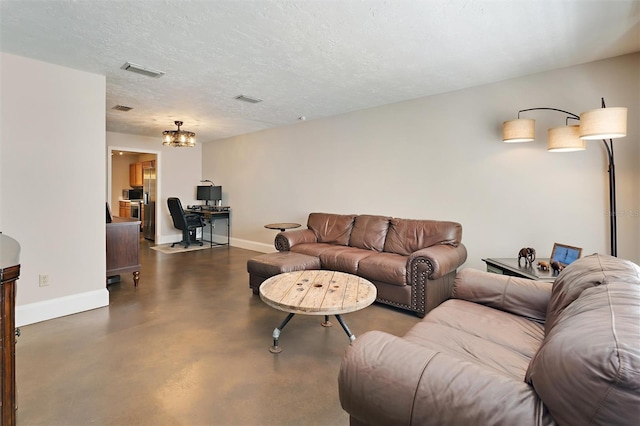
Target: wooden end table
316,292
510,266
282,226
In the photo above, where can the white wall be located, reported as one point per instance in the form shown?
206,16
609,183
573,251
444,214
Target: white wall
441,157
52,175
179,171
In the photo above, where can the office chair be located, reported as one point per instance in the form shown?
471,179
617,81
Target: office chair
187,223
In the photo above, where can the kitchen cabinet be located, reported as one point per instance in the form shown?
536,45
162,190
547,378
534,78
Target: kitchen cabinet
135,174
124,209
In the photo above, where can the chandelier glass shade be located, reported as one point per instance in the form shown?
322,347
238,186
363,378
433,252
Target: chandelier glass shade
178,138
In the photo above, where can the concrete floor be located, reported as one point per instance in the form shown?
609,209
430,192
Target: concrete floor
189,346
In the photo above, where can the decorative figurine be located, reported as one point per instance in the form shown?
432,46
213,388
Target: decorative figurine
529,255
556,266
543,266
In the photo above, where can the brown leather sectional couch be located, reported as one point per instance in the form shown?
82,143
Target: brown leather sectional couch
508,351
412,263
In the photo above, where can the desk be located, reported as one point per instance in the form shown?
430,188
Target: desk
123,247
211,217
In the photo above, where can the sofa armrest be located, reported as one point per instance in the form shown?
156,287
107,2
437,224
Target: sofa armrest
378,378
442,258
388,380
285,240
520,296
430,272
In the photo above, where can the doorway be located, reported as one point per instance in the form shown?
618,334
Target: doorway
130,169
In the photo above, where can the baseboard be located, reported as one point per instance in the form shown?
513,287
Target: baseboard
252,245
222,239
61,306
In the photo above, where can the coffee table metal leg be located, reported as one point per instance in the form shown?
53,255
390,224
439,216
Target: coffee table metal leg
326,322
346,329
275,349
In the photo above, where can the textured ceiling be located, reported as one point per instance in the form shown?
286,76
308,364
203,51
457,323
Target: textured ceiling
304,58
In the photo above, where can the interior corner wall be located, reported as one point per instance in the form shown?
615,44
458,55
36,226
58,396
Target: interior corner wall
179,171
52,131
441,157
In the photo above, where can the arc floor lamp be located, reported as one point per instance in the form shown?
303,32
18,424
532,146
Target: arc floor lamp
602,123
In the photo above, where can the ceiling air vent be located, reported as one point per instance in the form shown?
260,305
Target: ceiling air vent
128,66
122,108
248,99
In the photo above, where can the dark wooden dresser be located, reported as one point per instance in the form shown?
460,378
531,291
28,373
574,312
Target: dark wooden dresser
9,273
123,247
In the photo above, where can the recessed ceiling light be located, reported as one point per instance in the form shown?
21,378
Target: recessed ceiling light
122,108
248,99
128,66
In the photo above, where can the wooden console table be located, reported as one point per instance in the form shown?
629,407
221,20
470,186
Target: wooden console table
123,247
9,273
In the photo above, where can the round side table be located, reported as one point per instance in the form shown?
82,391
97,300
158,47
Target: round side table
282,226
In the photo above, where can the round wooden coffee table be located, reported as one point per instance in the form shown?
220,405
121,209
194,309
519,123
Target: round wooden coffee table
316,292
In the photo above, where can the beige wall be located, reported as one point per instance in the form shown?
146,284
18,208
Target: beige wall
441,157
52,175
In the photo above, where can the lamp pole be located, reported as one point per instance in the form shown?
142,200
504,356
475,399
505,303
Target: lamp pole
612,194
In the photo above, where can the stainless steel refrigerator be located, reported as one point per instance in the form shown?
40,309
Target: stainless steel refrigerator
149,200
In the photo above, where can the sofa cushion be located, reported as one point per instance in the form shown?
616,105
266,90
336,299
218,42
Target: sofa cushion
343,259
369,232
406,235
312,249
331,228
270,264
590,271
386,267
387,380
587,370
494,339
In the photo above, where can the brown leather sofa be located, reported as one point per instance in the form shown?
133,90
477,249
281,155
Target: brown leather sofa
508,351
412,263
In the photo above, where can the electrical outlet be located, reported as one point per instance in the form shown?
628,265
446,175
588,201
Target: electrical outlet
44,280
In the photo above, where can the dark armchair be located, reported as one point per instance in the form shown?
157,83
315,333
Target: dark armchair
187,223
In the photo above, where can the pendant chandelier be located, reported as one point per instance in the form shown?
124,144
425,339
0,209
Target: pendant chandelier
178,138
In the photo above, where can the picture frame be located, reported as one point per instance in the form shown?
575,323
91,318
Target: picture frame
564,254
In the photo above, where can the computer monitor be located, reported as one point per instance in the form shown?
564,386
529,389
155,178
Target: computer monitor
209,193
